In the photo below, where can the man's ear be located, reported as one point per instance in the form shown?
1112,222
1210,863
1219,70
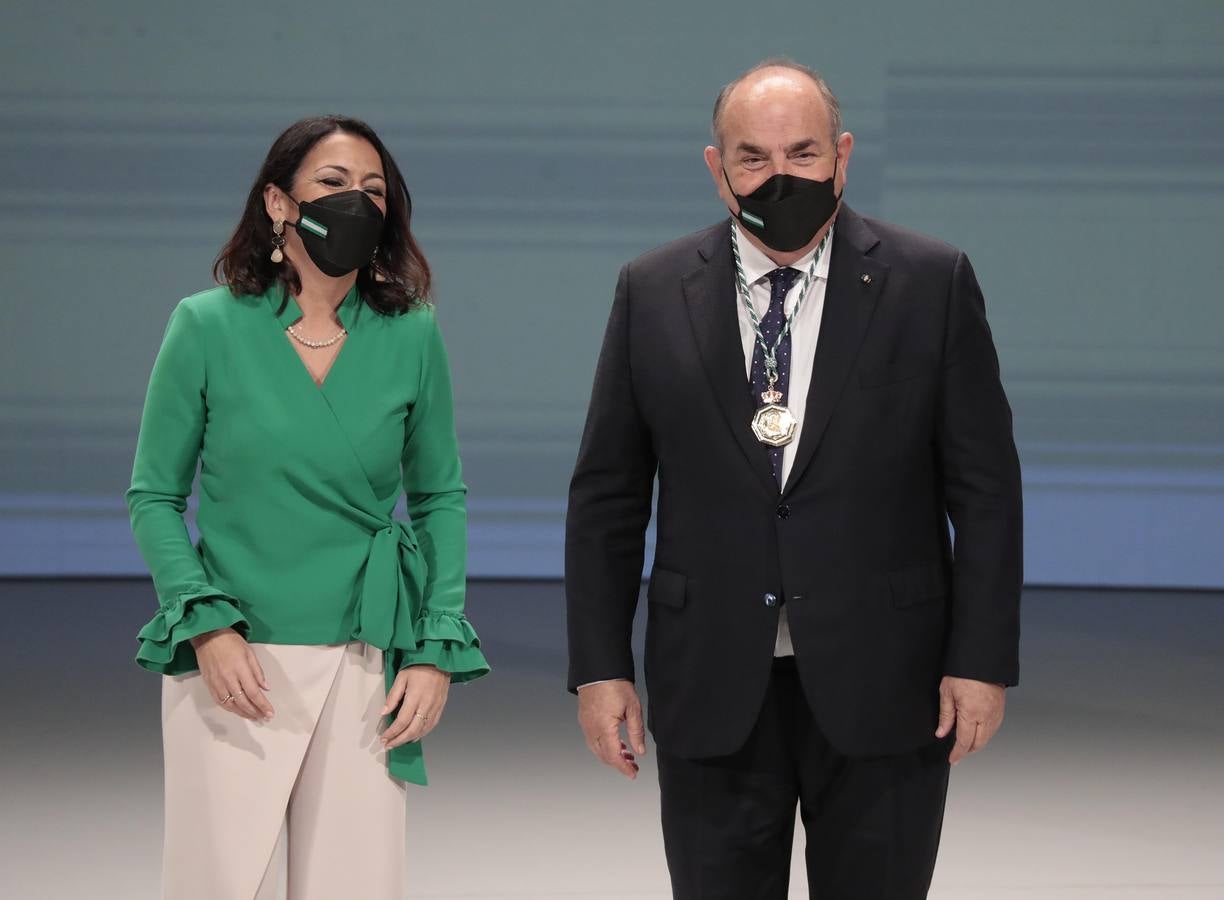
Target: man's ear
845,144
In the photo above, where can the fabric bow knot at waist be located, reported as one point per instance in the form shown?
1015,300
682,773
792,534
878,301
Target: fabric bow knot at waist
390,590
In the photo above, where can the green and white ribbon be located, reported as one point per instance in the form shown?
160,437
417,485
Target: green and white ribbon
771,353
311,225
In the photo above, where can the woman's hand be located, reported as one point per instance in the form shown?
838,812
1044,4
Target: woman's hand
233,674
420,693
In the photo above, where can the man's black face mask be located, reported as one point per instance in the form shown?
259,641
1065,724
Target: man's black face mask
787,211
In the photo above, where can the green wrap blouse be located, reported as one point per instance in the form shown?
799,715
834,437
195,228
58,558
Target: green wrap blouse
298,486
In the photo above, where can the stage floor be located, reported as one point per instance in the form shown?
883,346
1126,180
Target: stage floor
1107,780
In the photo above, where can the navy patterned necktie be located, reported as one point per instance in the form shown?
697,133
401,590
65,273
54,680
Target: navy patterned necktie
780,281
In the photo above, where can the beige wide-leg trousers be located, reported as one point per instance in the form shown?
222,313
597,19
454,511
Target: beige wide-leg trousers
315,771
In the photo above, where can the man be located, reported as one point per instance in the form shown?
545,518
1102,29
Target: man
818,393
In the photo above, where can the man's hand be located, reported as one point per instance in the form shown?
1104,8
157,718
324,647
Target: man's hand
602,708
975,708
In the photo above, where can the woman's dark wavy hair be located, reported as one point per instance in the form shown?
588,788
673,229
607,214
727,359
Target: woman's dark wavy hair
396,280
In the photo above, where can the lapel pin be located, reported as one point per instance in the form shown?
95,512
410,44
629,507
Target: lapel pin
865,278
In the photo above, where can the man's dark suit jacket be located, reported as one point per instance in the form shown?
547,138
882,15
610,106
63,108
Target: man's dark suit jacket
906,427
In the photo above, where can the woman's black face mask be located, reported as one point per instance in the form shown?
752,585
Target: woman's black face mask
340,231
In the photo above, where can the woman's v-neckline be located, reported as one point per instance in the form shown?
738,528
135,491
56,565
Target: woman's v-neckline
331,367
290,314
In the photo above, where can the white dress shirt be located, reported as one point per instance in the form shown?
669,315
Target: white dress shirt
804,332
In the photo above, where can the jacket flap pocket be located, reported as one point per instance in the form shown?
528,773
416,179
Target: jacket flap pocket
918,584
666,588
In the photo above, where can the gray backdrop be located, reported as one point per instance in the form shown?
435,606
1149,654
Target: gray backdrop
1074,150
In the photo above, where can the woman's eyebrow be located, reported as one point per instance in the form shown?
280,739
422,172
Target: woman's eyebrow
344,170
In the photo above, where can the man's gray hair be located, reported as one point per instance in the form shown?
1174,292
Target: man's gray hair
780,62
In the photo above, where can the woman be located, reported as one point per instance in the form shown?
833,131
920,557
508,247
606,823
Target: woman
311,389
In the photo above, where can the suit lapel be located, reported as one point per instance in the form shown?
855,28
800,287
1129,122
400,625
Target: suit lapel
709,293
849,303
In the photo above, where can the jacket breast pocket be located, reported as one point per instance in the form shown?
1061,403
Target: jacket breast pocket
918,584
667,588
894,373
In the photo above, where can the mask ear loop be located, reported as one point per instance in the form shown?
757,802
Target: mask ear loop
296,203
727,179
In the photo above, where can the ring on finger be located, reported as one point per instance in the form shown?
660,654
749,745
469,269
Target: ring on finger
420,716
228,698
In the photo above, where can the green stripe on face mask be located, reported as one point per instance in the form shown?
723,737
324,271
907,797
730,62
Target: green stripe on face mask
311,225
751,219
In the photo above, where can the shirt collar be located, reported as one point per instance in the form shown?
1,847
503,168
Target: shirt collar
285,307
757,265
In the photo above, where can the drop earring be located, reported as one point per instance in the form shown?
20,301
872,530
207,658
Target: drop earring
278,240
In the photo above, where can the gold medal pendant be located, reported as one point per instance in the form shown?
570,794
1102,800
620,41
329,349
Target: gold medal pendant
774,424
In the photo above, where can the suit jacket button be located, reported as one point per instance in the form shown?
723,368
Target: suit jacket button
783,511
771,599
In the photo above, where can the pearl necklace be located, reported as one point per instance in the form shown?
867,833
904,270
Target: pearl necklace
314,345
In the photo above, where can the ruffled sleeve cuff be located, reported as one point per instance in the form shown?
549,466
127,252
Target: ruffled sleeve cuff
165,643
448,641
